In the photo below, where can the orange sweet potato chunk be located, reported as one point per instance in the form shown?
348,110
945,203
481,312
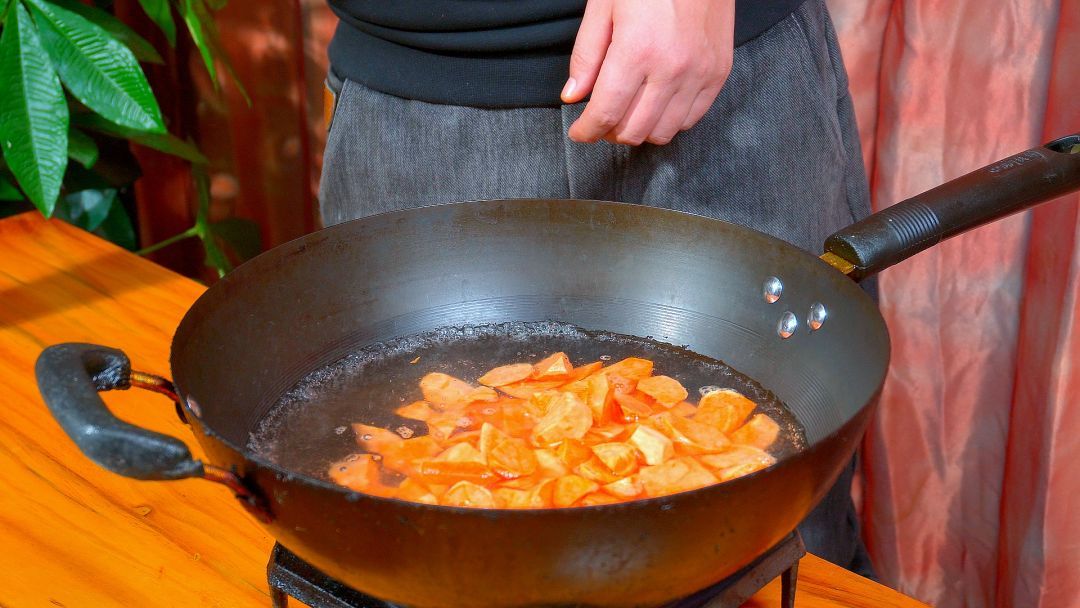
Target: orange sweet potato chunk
631,367
598,498
620,458
626,488
548,463
738,461
689,436
684,409
760,432
441,389
676,475
556,366
442,472
526,388
655,447
573,452
401,456
584,371
506,374
357,472
666,390
567,417
375,439
601,400
417,410
461,452
468,494
509,457
570,488
594,469
415,491
724,409
633,407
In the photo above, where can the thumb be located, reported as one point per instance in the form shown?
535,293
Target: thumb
590,47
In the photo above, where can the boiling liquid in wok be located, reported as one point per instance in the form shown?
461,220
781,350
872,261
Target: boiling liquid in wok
310,426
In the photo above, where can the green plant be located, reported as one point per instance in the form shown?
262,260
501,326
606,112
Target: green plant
72,87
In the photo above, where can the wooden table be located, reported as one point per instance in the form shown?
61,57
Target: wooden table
73,535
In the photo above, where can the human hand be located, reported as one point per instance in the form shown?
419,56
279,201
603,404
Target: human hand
653,67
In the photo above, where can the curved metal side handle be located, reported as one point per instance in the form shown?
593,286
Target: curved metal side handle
70,376
1008,186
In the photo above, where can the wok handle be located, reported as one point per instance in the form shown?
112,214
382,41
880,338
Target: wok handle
1008,186
69,377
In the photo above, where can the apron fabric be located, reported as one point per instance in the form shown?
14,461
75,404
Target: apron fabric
778,151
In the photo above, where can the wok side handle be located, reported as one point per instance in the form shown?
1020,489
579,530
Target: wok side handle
1008,186
70,376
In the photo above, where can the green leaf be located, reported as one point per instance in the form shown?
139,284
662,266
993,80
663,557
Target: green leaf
240,235
163,142
8,190
217,5
190,10
117,228
82,148
160,13
142,49
86,209
33,114
213,42
99,71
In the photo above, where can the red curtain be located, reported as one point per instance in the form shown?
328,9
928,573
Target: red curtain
968,486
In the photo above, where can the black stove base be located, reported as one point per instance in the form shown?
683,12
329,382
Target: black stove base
290,576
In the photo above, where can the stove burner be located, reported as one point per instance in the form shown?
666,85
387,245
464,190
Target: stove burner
290,576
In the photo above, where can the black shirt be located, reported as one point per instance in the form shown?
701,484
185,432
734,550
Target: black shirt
485,53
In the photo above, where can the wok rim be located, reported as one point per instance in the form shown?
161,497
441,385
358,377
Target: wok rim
354,496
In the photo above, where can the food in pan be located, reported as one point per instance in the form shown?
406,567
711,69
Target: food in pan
552,435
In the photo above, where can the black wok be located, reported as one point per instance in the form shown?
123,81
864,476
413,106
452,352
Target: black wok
622,268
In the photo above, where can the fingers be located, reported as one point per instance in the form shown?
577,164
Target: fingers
616,87
674,116
590,48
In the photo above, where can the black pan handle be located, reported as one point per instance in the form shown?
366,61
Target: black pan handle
69,377
1014,184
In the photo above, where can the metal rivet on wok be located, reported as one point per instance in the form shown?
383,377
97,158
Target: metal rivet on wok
787,325
816,318
771,289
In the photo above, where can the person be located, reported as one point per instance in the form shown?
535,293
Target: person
733,109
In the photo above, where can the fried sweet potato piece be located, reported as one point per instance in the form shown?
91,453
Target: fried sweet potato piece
689,436
375,439
584,371
606,433
556,366
573,452
417,410
631,367
506,374
570,488
444,472
526,388
724,409
594,469
401,456
655,446
442,389
626,488
760,432
461,452
567,418
509,457
633,408
549,464
538,496
737,461
684,409
357,472
415,491
468,494
598,498
601,400
666,390
620,458
675,475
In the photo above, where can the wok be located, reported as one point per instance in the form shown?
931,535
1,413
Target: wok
629,269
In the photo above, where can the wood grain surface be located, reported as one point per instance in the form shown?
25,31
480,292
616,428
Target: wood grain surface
74,535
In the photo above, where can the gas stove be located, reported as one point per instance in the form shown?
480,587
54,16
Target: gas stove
290,576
